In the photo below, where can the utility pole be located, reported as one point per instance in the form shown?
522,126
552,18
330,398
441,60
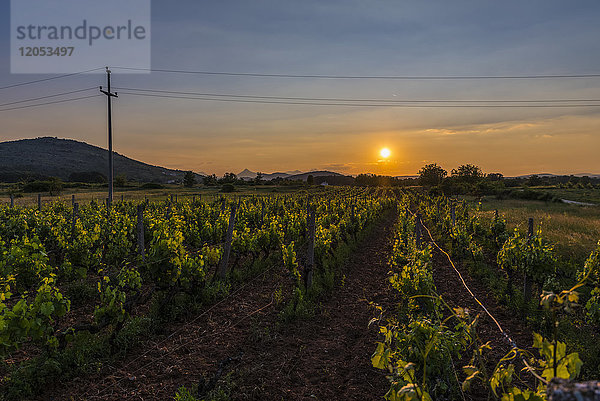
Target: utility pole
109,95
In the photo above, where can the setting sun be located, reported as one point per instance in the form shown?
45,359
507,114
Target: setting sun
385,153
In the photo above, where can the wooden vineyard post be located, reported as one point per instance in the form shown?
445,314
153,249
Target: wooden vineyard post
222,269
12,200
73,200
39,202
140,231
495,214
310,257
74,220
527,280
122,198
418,230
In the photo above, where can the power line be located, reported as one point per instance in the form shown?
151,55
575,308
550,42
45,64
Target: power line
389,77
46,97
49,79
361,100
314,103
53,102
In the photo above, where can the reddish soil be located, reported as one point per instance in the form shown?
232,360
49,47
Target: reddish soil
326,357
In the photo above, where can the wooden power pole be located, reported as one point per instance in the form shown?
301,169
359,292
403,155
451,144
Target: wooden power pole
109,95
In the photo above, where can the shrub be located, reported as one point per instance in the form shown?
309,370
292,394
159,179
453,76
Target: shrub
227,188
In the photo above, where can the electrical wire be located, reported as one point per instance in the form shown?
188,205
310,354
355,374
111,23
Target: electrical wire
50,78
349,104
388,77
46,97
47,103
325,99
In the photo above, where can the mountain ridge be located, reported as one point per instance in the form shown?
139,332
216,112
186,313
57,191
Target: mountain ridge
44,157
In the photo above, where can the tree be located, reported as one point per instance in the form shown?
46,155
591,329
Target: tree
55,186
229,178
495,176
432,175
467,173
209,179
121,180
534,181
189,179
310,180
258,178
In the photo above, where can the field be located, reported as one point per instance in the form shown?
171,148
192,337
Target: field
89,192
293,293
574,229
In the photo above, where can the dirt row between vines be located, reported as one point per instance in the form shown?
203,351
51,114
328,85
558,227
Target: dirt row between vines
450,287
237,344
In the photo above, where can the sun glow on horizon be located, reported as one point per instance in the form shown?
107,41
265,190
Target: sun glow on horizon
385,153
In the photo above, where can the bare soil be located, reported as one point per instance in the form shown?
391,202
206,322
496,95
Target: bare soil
239,344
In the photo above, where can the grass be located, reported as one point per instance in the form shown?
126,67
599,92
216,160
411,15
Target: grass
98,192
575,230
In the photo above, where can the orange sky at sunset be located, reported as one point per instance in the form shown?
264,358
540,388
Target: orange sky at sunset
542,121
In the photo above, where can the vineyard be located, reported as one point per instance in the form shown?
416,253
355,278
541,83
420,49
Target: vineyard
73,274
433,348
100,296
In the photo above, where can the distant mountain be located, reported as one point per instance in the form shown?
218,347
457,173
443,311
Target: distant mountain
279,175
559,175
53,157
292,175
247,174
304,176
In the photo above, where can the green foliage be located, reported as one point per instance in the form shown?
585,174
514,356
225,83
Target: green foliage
227,188
432,175
189,179
121,180
468,173
113,296
183,394
532,256
32,317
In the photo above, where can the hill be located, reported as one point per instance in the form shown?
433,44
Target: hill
250,175
52,157
304,176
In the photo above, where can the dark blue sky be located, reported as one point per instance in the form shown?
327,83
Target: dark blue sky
342,38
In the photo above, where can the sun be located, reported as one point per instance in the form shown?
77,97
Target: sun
385,153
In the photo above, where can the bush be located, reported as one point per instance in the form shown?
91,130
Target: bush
227,188
120,180
91,177
53,186
152,185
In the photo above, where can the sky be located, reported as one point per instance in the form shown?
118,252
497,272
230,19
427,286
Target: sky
342,38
